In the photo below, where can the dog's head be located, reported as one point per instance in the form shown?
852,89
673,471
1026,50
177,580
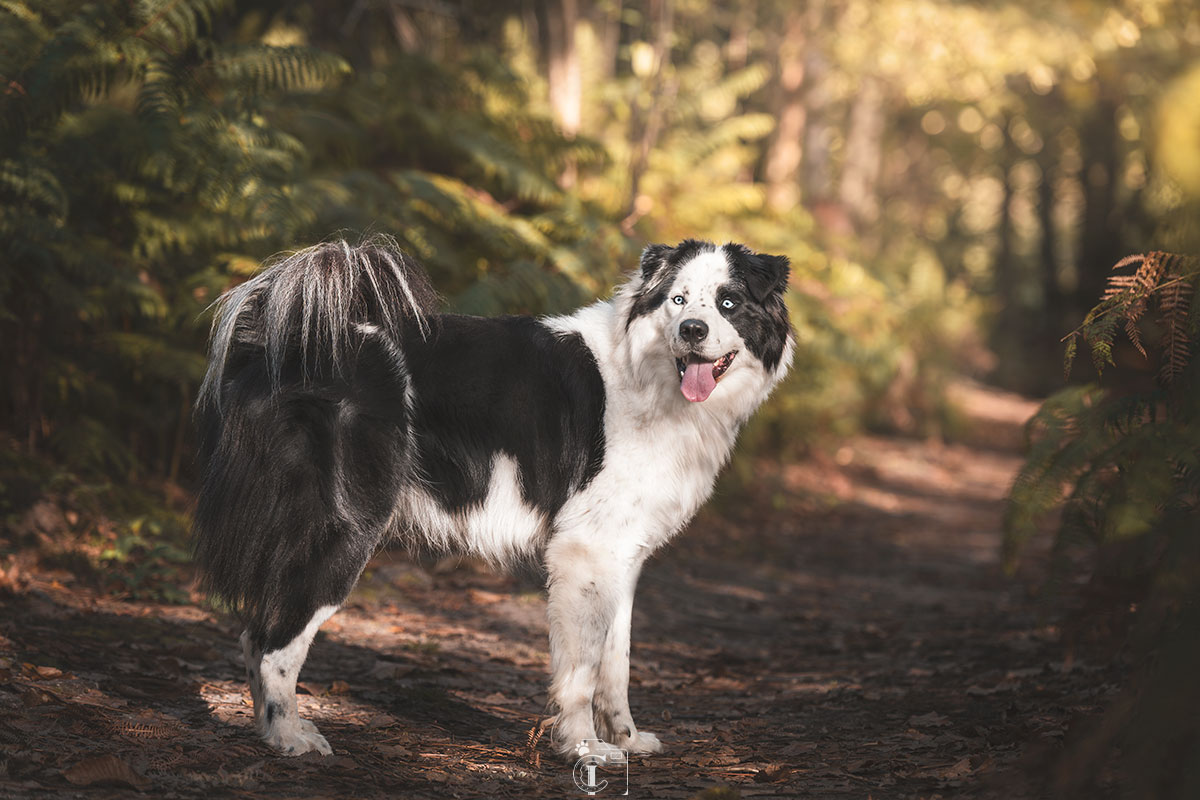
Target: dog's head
713,313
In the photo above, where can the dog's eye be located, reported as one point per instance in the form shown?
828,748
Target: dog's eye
677,299
727,303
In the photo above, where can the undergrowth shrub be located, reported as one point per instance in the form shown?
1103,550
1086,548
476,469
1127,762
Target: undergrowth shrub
1121,464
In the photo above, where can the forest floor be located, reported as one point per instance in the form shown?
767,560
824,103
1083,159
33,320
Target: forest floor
849,634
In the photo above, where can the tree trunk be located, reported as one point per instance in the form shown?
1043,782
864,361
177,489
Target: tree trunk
817,168
1004,268
864,150
737,49
609,25
1098,249
1048,245
557,31
782,165
405,30
647,125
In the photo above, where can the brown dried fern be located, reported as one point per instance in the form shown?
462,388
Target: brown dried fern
1175,304
145,730
1168,278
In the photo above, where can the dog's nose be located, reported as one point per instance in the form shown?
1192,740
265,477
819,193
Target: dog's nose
693,330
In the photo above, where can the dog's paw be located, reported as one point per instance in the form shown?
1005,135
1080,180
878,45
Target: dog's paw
641,743
297,739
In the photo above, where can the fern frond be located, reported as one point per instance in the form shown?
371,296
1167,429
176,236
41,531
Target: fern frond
155,357
174,25
262,68
1175,304
1069,353
1135,335
160,99
501,162
33,183
1166,277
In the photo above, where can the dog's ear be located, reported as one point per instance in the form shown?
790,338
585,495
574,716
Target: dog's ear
653,258
764,274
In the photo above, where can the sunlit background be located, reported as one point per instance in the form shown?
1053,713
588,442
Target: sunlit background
952,182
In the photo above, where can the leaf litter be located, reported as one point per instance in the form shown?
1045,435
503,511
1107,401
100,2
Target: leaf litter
781,648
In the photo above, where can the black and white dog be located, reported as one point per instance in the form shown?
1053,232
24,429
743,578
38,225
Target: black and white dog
341,411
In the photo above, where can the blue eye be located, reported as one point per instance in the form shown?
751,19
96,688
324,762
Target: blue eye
677,299
727,303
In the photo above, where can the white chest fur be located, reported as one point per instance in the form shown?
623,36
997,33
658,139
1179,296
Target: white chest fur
662,453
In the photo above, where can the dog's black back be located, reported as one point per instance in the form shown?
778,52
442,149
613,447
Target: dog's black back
306,452
505,385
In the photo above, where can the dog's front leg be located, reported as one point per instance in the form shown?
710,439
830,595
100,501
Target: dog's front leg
614,720
585,585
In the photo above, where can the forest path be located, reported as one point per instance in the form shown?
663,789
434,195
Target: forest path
794,647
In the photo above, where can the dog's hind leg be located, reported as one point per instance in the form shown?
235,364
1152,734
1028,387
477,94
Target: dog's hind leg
251,656
307,589
272,677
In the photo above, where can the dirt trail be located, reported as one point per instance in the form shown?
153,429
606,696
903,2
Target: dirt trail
870,649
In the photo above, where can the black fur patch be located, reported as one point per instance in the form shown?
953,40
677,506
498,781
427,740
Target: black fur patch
760,316
298,485
300,479
507,385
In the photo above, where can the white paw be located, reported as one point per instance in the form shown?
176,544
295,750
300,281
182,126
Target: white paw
297,739
641,743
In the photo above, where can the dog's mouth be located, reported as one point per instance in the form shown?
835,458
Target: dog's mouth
698,377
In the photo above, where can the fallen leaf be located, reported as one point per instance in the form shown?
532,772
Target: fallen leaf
960,769
381,721
483,598
394,751
105,769
773,772
498,698
930,720
387,670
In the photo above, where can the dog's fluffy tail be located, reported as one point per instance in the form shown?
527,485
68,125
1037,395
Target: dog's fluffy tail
313,299
299,467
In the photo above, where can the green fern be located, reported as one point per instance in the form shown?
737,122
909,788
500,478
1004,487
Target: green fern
149,160
258,69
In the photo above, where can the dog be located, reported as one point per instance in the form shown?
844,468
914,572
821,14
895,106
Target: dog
341,411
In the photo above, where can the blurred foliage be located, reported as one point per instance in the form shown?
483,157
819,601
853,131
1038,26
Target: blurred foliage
1115,467
155,152
952,182
1127,460
1121,467
939,173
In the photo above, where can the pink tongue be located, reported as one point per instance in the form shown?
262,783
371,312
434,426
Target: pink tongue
698,381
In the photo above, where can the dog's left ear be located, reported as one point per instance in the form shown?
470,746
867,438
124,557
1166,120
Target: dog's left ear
765,275
653,257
